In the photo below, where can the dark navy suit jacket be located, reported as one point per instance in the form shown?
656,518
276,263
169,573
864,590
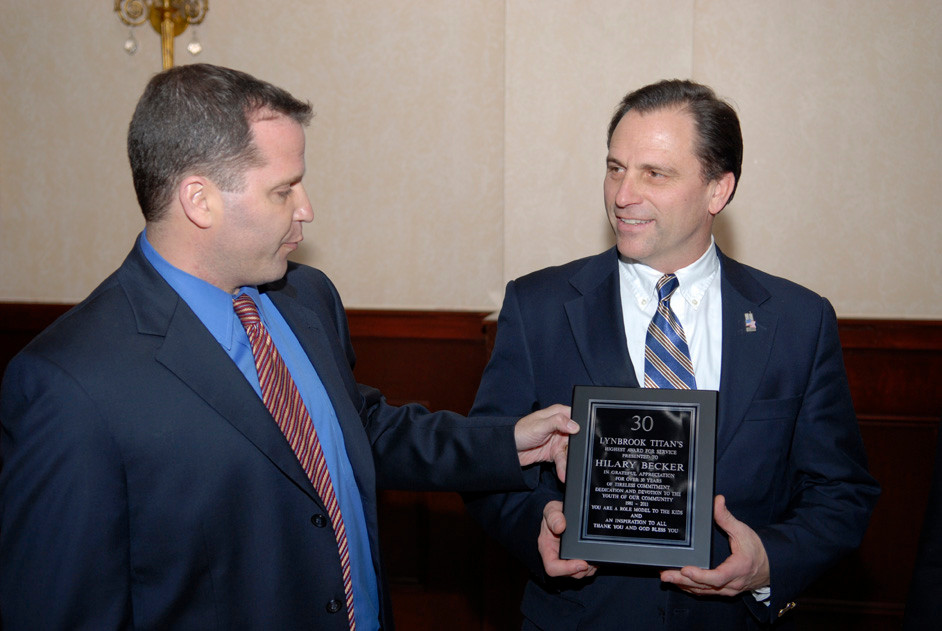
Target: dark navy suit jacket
789,457
145,485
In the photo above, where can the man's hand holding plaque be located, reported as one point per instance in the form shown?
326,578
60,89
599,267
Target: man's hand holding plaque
746,569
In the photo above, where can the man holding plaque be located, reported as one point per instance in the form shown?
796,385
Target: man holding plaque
793,493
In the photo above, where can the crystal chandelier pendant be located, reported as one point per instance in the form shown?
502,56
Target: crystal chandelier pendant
130,44
194,47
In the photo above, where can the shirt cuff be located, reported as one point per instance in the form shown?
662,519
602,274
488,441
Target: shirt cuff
763,595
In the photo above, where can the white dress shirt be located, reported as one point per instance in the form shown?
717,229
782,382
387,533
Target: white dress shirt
697,303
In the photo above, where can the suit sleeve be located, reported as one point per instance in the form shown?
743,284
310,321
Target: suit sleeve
63,510
416,449
831,492
440,451
508,387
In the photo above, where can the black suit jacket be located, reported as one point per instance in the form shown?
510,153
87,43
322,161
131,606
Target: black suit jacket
789,458
145,485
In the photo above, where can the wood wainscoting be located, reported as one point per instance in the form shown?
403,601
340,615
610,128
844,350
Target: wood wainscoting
443,568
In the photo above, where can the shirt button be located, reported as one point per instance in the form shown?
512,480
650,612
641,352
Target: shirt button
319,520
334,605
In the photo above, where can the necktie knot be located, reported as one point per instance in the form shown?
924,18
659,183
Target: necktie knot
666,285
246,310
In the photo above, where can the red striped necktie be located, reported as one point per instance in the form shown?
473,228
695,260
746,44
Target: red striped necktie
283,400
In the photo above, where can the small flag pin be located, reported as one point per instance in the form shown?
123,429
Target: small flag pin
750,322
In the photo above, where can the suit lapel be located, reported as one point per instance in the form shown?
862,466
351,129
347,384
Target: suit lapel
208,371
600,337
191,353
745,352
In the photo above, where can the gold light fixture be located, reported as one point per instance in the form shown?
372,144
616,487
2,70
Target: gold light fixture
168,17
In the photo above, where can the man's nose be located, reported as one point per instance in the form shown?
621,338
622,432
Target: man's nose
303,212
627,193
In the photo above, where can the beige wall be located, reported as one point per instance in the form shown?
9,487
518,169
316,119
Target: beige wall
460,144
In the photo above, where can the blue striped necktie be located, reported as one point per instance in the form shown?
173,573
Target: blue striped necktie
666,356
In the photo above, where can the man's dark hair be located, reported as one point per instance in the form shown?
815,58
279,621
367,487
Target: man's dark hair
719,145
195,119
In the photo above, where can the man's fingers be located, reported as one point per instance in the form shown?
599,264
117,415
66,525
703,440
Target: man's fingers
572,568
554,518
563,420
721,515
554,523
707,578
561,458
560,414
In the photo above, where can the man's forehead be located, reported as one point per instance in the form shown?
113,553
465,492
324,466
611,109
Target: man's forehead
664,131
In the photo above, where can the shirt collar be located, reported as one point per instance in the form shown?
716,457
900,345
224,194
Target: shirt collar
693,280
212,305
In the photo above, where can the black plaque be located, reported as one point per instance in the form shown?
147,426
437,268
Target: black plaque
640,477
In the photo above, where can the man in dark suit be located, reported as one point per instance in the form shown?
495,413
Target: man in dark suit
144,483
793,491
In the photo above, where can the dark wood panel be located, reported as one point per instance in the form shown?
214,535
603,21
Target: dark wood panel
898,382
441,374
890,334
21,322
435,358
412,325
894,366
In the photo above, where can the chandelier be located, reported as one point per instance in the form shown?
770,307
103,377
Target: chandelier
168,17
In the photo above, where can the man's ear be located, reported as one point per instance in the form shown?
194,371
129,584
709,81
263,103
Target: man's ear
722,189
193,194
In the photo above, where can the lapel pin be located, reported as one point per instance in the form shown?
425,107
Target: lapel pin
750,322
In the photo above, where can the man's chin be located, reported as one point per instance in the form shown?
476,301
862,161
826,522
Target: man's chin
276,273
632,251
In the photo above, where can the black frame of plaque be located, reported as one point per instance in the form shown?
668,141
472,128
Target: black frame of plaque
622,527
